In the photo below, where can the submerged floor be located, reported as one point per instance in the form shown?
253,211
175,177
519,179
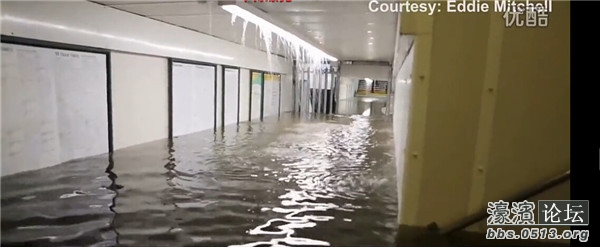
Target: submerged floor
327,181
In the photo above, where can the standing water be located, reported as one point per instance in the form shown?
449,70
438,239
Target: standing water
326,181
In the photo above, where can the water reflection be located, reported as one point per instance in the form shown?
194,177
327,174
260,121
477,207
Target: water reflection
365,106
318,182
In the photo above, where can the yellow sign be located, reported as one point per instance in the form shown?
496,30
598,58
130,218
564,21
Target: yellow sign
272,77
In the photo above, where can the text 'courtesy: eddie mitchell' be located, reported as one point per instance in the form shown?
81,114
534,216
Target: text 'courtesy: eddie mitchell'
502,6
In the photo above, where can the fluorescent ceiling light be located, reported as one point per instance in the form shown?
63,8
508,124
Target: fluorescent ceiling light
262,23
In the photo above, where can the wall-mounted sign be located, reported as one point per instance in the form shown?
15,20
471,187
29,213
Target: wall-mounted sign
380,87
363,87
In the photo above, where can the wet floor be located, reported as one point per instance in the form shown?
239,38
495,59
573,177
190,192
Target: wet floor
324,181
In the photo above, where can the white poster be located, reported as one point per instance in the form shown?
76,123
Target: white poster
54,107
257,82
244,95
269,87
275,92
231,95
272,91
193,98
287,94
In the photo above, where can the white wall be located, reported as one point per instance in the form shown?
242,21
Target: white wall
405,70
404,44
63,22
87,23
485,103
350,74
348,87
375,72
401,111
139,99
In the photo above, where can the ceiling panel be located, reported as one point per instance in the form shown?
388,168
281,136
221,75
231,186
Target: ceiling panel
168,9
331,7
221,27
345,28
140,2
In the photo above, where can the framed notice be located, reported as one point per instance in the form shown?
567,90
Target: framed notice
380,87
363,88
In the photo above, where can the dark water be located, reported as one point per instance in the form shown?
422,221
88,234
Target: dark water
319,182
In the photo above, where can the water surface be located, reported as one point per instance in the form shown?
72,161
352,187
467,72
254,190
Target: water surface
325,181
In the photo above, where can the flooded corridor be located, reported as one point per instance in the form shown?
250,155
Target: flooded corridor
324,181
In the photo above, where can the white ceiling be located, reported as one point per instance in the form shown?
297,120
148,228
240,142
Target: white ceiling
343,28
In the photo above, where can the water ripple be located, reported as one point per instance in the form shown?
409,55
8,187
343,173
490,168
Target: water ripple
327,182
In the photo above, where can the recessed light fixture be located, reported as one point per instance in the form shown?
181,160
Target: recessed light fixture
371,38
370,43
370,23
369,31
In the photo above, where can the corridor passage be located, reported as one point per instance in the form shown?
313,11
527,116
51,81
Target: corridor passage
317,181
